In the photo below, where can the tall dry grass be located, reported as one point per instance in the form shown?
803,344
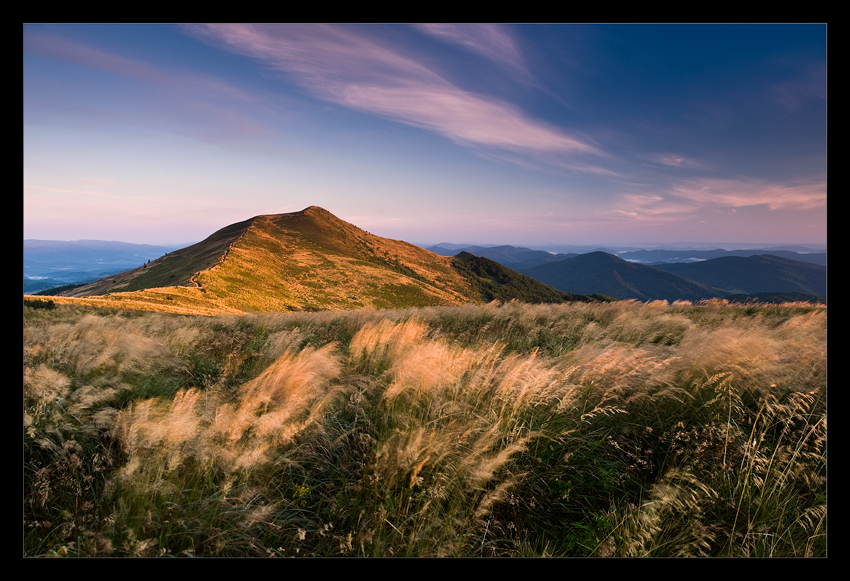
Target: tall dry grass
620,429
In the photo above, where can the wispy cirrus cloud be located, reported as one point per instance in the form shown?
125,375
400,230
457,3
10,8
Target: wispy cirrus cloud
694,196
793,93
736,193
466,118
651,206
339,65
201,102
488,40
676,160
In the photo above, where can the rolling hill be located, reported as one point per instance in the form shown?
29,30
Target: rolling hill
495,281
653,257
521,258
736,275
600,272
307,260
511,256
767,278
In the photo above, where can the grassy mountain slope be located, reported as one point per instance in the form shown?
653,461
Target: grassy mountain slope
312,259
174,269
600,272
306,260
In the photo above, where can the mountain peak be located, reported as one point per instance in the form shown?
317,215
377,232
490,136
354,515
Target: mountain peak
308,260
309,211
316,215
315,211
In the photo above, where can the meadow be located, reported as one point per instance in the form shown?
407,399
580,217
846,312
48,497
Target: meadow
619,429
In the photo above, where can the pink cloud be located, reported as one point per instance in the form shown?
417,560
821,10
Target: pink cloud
461,116
736,193
338,65
651,206
488,40
691,198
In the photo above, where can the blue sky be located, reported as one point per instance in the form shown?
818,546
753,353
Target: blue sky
511,134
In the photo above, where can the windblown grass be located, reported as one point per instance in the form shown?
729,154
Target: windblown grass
619,429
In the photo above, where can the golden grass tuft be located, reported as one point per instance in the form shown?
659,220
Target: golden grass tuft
266,413
44,386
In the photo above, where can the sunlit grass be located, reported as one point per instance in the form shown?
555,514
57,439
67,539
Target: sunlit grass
620,429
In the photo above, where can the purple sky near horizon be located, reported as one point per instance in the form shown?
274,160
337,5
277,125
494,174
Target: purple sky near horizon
530,135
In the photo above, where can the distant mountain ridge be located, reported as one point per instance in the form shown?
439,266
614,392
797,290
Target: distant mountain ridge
735,274
523,258
45,257
501,283
698,274
615,277
718,277
52,263
652,257
511,256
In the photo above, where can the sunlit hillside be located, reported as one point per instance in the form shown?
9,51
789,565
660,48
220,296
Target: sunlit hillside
309,260
580,429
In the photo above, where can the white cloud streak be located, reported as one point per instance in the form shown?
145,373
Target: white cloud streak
338,65
488,40
736,193
693,196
